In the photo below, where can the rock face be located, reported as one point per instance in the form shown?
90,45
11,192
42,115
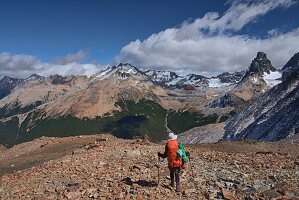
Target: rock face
250,87
7,84
37,91
129,169
205,134
193,79
271,117
163,78
291,67
122,71
232,78
261,64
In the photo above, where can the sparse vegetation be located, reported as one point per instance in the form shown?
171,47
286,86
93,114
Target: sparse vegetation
136,119
9,131
183,120
17,109
141,118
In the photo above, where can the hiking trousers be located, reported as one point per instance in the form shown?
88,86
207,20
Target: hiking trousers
175,175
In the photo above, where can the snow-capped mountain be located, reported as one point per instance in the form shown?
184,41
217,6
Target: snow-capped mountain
169,79
33,77
163,77
123,71
258,79
194,80
172,80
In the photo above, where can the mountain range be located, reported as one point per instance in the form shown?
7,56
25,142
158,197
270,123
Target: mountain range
127,102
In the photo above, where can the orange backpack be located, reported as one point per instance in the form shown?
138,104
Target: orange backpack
172,149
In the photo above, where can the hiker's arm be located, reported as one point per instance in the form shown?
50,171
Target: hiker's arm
164,155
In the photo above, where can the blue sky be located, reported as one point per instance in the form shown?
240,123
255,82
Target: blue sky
54,28
45,36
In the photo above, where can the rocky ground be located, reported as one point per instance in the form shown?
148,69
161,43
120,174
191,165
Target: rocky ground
128,169
2,148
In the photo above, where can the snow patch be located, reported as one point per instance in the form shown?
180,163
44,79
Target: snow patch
215,82
105,73
173,82
109,71
254,80
272,78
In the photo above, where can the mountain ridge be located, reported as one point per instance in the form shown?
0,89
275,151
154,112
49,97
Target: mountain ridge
127,101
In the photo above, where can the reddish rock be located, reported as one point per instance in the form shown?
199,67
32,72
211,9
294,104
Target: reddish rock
189,87
73,195
228,195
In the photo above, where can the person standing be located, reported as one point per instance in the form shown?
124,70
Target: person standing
174,162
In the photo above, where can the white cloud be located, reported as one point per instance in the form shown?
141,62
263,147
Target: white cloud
71,58
209,44
24,65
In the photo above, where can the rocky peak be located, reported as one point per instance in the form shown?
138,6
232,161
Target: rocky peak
293,62
128,69
196,77
33,77
261,55
7,84
291,68
8,79
57,79
161,76
123,71
227,77
261,64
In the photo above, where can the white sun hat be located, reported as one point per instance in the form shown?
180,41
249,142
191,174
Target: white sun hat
172,136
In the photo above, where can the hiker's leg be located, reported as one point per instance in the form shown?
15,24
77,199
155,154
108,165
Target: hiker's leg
177,179
172,175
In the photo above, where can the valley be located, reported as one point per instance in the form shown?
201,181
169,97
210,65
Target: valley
129,102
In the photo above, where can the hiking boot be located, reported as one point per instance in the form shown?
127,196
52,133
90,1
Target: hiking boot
171,184
177,188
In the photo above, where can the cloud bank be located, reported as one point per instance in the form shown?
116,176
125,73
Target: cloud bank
71,58
211,45
24,65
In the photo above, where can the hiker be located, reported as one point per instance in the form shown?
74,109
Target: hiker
174,161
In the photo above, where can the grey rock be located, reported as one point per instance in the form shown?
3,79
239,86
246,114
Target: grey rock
271,194
132,153
189,191
93,193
